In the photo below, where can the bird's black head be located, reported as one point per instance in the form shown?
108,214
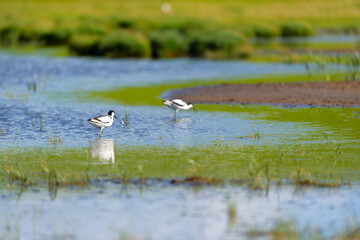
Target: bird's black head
111,113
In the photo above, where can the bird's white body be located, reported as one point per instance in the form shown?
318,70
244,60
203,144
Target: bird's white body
177,104
102,121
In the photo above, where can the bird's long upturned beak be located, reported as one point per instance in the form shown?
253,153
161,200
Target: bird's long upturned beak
116,117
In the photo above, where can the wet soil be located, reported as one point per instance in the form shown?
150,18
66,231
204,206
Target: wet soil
345,93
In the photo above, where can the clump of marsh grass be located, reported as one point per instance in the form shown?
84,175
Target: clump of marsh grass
41,123
32,86
53,183
265,31
141,173
52,177
168,43
127,120
55,36
54,140
87,169
124,43
352,231
301,176
254,134
16,175
32,120
126,23
254,174
335,146
295,29
206,43
85,44
353,64
231,212
10,35
288,229
2,131
279,164
196,168
308,70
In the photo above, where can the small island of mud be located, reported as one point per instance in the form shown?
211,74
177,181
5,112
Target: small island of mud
345,93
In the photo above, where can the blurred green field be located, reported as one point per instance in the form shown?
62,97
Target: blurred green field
205,28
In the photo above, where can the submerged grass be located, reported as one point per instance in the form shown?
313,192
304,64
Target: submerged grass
255,164
288,229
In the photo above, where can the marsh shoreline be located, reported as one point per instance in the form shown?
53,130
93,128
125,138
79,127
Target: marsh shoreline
346,93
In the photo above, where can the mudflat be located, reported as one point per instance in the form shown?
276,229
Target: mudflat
346,93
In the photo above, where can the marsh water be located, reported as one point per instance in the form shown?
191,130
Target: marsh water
43,119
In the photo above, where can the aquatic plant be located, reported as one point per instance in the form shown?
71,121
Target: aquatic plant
55,36
231,212
32,85
308,70
203,42
54,140
85,44
335,146
168,43
9,35
254,173
32,120
41,123
124,43
265,31
2,131
295,29
141,173
279,163
89,29
352,62
127,120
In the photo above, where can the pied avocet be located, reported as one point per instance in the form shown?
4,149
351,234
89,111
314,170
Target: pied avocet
178,104
103,121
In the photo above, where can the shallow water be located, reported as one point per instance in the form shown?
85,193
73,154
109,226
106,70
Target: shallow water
66,117
164,211
39,104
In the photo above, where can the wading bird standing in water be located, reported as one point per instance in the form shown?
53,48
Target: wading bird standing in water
178,104
103,121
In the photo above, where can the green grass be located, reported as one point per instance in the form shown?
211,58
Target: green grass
295,29
168,43
217,25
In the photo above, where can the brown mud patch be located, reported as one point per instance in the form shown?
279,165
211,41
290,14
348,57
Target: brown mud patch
345,93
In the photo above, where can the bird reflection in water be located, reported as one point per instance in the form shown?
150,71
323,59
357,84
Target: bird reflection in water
185,122
103,150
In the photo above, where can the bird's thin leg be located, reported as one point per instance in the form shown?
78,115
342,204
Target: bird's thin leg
99,134
175,114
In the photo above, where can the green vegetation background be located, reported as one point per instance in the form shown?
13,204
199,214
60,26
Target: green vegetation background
145,28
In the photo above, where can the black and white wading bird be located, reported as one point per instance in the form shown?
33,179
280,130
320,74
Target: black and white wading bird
178,104
103,121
